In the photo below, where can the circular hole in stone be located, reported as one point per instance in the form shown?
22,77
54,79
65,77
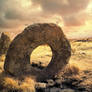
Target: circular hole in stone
41,56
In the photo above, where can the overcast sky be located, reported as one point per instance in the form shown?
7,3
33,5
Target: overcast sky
74,16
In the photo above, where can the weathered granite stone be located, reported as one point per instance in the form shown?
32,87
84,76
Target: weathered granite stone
40,85
50,83
18,56
67,90
4,43
54,89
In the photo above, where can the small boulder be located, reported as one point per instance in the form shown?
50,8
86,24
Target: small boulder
67,90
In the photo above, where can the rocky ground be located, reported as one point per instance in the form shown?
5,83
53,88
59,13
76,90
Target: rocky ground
81,58
81,82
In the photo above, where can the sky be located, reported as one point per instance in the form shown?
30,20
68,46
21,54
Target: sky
74,16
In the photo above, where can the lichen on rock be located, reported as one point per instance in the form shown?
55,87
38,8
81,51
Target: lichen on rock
4,43
17,60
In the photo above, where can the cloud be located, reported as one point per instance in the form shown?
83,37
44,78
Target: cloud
15,14
72,11
62,7
78,19
32,10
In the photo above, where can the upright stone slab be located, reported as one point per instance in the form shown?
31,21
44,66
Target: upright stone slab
4,43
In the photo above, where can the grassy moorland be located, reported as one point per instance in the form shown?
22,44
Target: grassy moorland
81,55
80,67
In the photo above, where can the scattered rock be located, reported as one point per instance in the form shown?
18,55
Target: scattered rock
58,82
40,85
50,83
54,89
67,90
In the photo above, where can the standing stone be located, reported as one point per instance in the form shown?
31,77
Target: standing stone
18,57
4,43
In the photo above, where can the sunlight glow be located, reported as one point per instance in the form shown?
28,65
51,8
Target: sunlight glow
89,8
36,9
26,3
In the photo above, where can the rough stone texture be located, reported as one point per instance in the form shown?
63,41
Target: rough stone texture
67,90
18,57
70,83
4,43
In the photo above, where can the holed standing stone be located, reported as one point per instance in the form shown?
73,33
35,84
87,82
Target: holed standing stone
18,56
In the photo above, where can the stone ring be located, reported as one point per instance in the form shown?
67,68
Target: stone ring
17,60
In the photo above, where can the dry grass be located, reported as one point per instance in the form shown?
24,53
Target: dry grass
1,66
82,55
2,58
28,85
71,70
11,84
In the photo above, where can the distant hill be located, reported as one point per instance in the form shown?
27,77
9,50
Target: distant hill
81,40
